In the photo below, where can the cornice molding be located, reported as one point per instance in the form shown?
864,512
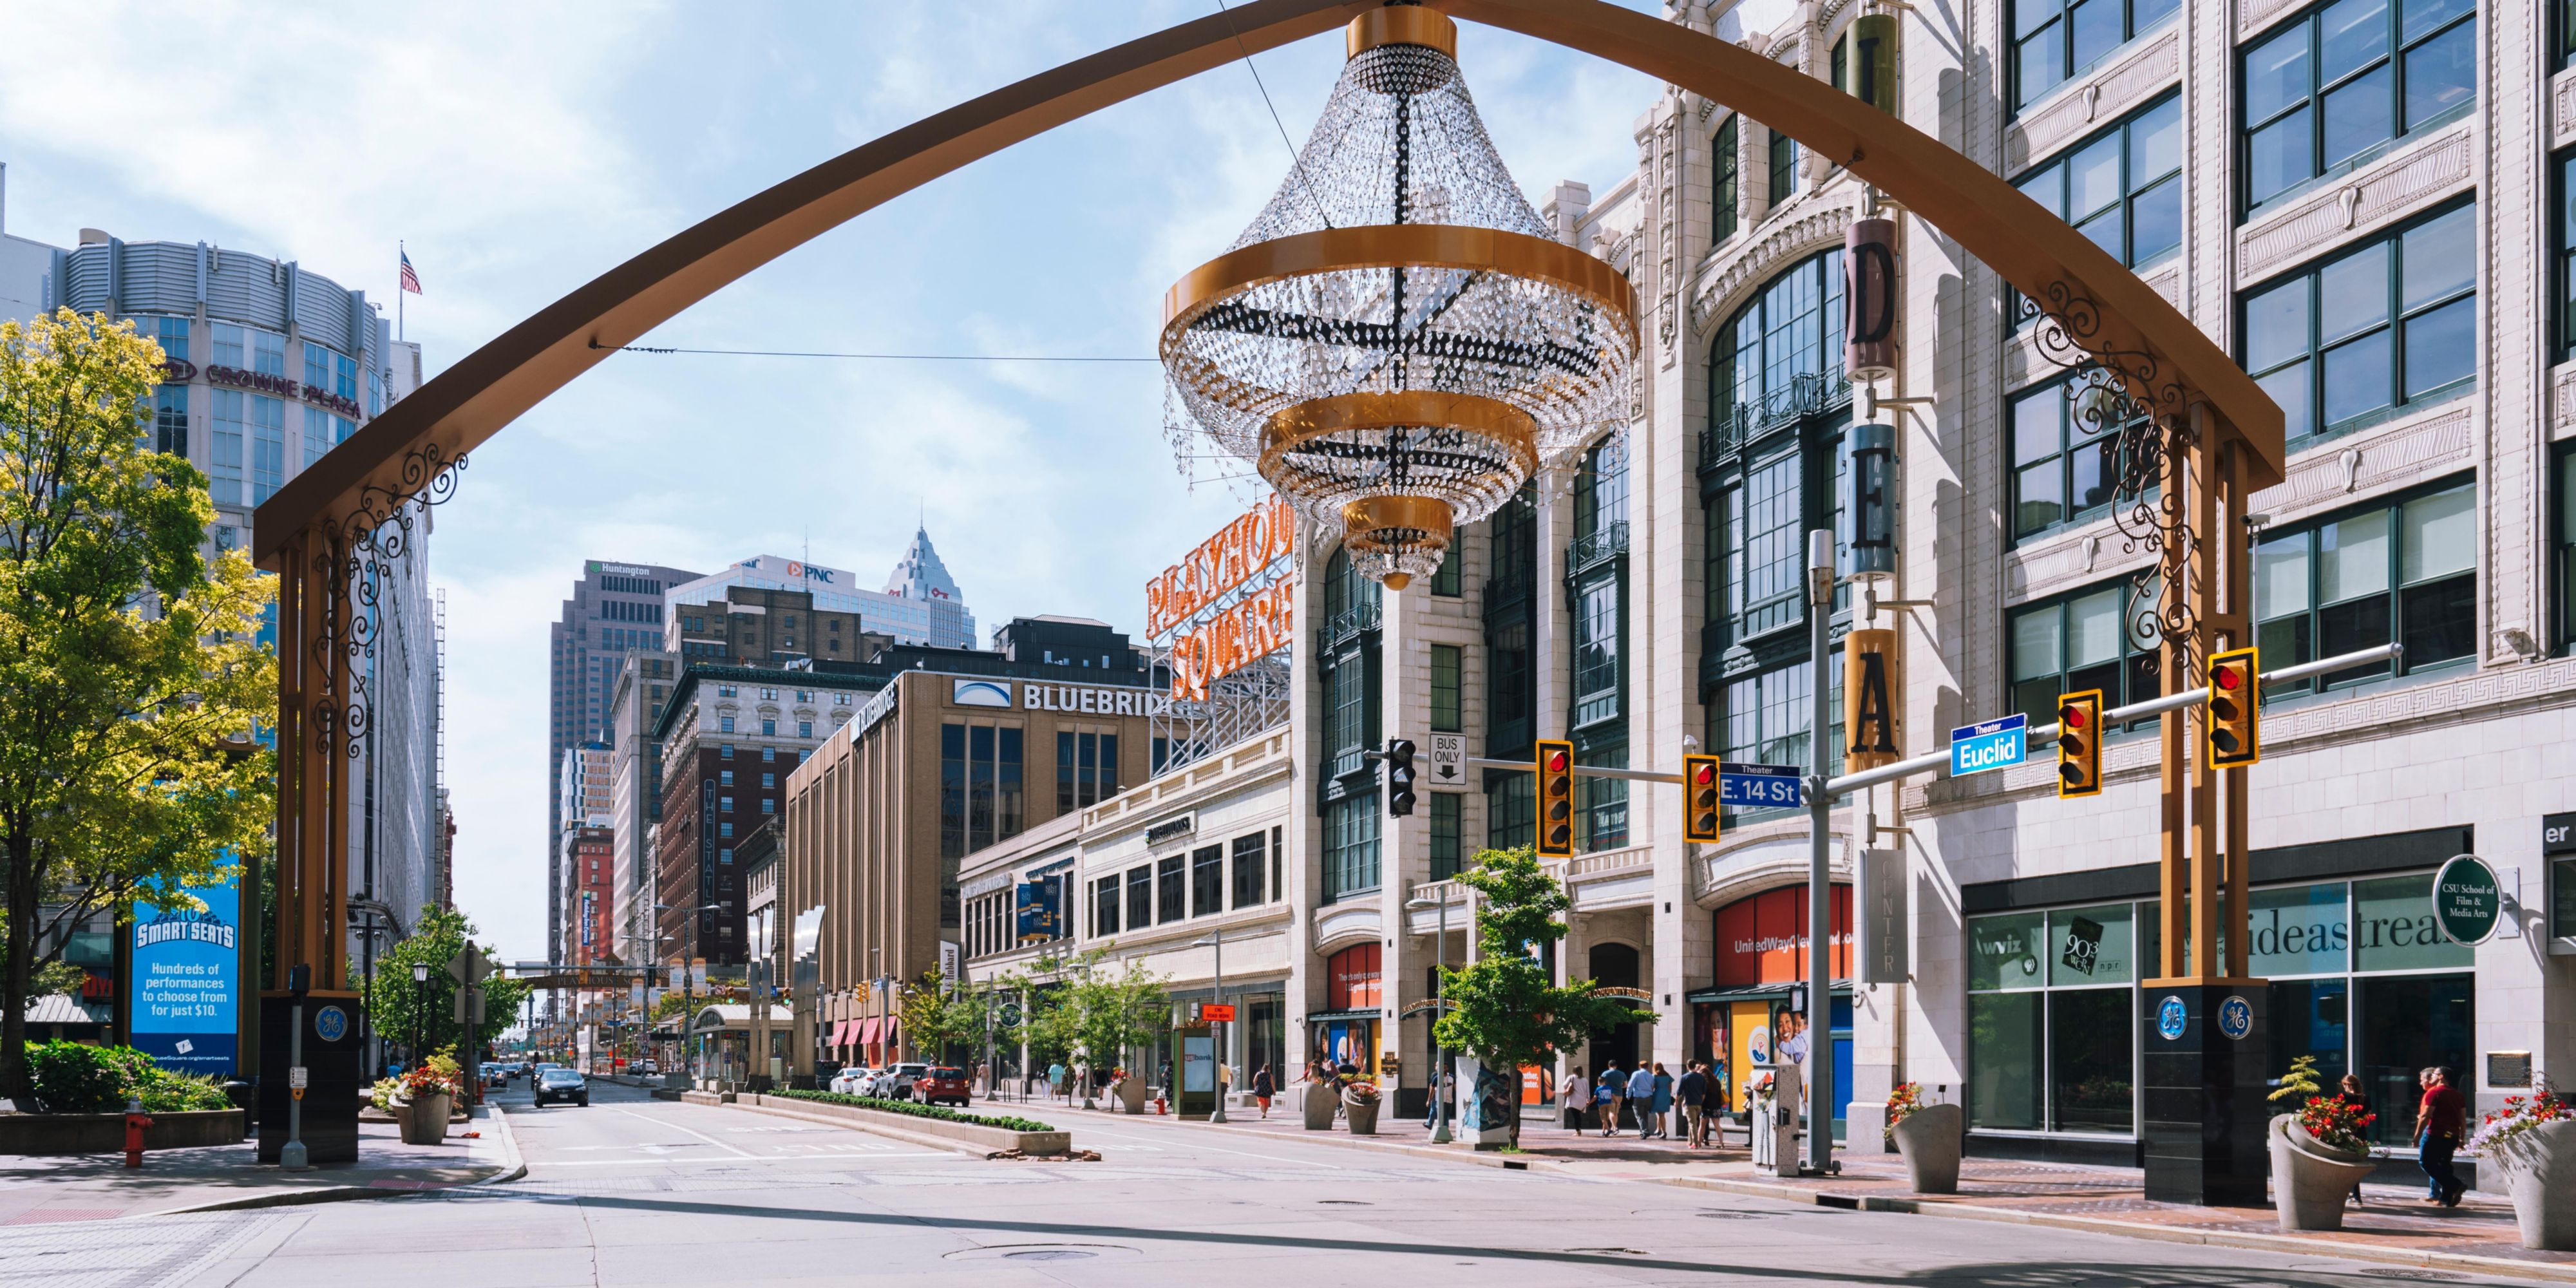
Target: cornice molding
1723,283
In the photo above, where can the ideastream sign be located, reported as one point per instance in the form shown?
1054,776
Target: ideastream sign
187,970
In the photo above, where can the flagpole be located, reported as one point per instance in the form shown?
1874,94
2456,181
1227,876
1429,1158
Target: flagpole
401,252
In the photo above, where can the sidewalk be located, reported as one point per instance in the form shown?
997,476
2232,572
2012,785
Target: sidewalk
2396,1226
98,1187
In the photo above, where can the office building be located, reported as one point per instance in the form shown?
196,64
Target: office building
920,605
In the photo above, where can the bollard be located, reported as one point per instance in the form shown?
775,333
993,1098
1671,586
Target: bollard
135,1123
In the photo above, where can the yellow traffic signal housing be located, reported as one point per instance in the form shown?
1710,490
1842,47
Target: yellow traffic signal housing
1699,804
1555,798
2235,716
2079,744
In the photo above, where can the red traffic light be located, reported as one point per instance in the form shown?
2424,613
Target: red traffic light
2070,717
2227,677
1555,762
1703,774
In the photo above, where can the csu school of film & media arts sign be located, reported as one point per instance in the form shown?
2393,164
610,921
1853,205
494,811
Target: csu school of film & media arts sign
187,971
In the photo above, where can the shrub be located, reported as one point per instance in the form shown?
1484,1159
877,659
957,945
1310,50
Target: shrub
941,1112
72,1078
2337,1123
2520,1114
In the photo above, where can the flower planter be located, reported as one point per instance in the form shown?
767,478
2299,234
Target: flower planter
1362,1113
428,1122
1320,1103
1131,1095
2310,1179
1931,1138
2539,1166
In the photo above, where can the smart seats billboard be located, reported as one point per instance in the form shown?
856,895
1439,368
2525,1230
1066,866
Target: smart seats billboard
187,969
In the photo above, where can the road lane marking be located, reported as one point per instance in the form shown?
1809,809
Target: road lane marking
728,1162
699,1134
1276,1158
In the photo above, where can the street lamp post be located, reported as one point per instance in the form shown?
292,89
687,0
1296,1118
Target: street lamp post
419,1007
1439,1007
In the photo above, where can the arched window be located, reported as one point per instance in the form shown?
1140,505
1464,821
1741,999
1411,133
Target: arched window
1770,464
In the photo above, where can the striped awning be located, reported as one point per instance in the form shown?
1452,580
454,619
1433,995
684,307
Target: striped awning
868,1031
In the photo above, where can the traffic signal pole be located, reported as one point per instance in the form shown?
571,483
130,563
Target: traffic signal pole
1819,1031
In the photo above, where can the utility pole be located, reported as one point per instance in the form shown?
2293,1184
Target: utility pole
1820,894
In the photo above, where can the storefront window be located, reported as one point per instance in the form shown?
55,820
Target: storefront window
2091,946
2004,1061
2393,928
2091,1064
2562,884
2003,952
2298,931
2408,1023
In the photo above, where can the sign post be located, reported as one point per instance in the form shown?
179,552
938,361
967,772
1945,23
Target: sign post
1448,759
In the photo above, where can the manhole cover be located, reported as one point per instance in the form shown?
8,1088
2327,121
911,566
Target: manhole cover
1346,1202
1609,1252
1043,1252
1732,1216
2419,1276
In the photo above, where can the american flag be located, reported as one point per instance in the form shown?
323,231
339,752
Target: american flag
410,279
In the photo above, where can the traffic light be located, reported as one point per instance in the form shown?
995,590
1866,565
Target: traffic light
1399,777
1699,807
2235,709
1555,798
2079,744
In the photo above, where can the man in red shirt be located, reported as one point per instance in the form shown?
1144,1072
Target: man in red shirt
2440,1123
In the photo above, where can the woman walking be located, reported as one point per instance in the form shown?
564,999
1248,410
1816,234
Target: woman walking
2351,1090
1263,1089
1663,1102
1577,1098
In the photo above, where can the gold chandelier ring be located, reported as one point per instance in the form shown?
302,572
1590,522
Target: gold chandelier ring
1420,408
1401,513
1333,250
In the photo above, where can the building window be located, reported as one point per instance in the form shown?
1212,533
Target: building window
2379,329
2084,641
769,755
768,804
1351,980
2334,88
1086,769
724,751
724,724
2405,571
172,335
317,366
1140,896
2565,542
1250,864
1207,880
1350,846
1722,185
267,447
170,419
804,728
2066,462
1448,581
2055,39
1104,905
268,353
1604,818
1766,717
1784,168
724,830
1596,652
1445,814
725,803
1445,705
1168,903
768,728
952,791
2122,188
724,778
767,780
723,855
1511,811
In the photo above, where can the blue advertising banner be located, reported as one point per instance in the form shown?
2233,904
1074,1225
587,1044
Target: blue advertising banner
187,971
1040,905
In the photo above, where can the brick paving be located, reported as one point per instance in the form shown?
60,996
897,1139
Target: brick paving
48,1189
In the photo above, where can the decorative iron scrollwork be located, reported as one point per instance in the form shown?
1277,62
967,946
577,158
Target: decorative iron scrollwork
354,558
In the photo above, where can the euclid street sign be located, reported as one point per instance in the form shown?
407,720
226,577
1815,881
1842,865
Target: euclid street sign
1757,786
1996,744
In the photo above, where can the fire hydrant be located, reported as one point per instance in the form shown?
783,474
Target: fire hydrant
1158,1104
135,1123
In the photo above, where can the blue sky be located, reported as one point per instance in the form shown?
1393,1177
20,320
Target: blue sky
520,150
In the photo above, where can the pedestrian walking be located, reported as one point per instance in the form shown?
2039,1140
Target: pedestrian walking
2441,1119
1641,1098
1663,1102
1691,1090
1055,1079
1577,1099
1712,1105
1613,1090
1263,1089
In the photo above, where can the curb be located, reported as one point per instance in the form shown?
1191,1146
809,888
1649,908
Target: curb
514,1166
870,1129
2280,1243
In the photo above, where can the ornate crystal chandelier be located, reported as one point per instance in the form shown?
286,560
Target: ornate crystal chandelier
1396,343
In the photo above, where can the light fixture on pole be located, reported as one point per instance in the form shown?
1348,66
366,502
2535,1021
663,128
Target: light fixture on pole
1398,341
419,990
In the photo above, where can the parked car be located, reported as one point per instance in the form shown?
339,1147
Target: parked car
648,1068
901,1080
943,1085
560,1083
853,1080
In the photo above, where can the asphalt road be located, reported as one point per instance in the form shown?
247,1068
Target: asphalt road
631,1191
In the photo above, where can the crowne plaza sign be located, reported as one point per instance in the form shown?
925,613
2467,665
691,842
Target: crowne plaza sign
1208,645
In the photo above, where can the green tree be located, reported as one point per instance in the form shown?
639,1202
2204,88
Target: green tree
131,679
938,1014
1503,1008
1116,1013
394,1001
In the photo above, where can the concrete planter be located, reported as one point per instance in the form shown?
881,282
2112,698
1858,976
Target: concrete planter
2539,1166
2310,1179
1320,1103
1362,1113
427,1124
903,1126
1131,1095
105,1133
1931,1139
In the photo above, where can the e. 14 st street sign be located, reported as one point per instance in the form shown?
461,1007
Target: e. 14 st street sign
1996,744
1758,786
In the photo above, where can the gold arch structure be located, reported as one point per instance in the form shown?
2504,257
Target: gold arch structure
326,525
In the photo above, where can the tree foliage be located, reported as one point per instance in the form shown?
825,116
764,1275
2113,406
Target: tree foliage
131,678
1504,1010
394,1000
939,1013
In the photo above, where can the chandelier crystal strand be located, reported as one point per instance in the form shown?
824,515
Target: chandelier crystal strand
1397,343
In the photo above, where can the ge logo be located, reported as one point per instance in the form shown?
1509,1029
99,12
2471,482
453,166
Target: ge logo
2235,1018
330,1024
2170,1017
